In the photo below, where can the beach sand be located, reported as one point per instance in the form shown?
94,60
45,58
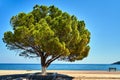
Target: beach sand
77,75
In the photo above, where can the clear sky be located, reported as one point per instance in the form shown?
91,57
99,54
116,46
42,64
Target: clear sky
102,18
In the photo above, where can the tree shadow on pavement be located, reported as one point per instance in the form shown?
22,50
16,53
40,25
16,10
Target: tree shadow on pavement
36,76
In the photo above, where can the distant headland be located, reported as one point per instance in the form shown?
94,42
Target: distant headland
118,62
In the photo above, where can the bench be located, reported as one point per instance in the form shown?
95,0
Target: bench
112,69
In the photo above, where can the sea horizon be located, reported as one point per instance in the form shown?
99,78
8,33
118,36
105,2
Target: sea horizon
23,66
58,63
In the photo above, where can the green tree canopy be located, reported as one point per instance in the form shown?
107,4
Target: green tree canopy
48,33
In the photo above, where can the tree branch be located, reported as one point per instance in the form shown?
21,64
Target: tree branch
51,60
26,49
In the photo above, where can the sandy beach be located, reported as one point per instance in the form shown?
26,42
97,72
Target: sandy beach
77,75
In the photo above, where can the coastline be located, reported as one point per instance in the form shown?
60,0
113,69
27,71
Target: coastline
85,75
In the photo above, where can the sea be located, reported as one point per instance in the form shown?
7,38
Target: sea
101,67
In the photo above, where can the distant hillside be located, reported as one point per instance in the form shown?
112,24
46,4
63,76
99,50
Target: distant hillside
118,62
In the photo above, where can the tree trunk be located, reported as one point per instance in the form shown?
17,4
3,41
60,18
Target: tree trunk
43,70
43,65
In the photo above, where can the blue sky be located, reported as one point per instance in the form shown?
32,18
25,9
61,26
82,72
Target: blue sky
102,18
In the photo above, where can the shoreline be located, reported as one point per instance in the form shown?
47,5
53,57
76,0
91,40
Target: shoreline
72,73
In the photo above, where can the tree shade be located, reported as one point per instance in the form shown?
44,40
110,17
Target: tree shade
48,33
